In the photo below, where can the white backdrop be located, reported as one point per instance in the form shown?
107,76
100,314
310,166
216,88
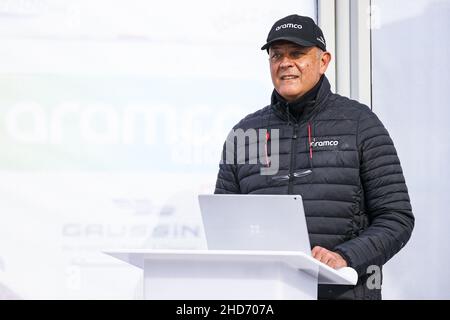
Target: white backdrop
112,119
411,50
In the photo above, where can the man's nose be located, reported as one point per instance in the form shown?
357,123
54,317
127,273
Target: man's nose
286,62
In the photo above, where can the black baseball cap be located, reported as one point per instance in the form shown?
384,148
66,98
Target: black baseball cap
297,29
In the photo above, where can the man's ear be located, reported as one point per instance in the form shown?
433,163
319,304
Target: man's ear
324,61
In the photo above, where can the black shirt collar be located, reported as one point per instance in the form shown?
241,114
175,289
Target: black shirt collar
297,107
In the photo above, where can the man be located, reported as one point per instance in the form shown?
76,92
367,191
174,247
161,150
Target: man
334,152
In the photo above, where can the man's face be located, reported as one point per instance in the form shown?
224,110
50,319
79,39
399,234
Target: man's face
295,69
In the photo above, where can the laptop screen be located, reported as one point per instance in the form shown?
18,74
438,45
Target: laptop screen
254,222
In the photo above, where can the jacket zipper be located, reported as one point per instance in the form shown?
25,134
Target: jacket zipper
293,152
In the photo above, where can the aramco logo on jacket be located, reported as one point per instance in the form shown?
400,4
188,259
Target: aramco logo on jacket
324,143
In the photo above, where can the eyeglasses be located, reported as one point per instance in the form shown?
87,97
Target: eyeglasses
297,174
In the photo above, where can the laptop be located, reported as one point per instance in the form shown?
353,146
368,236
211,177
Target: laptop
254,222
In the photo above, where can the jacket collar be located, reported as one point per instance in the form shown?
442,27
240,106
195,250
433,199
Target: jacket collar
282,108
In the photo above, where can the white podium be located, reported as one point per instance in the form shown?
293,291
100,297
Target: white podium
232,275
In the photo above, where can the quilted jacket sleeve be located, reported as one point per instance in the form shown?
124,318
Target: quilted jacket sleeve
386,197
227,181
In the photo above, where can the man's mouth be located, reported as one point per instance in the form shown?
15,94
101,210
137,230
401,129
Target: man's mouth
289,77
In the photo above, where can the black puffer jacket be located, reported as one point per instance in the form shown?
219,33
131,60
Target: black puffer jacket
356,200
